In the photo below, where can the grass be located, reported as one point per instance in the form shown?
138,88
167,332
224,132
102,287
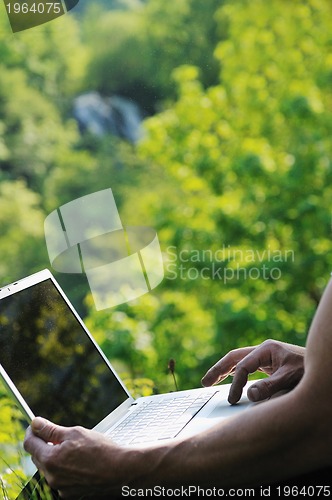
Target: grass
12,455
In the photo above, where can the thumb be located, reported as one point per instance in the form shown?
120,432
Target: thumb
266,388
47,431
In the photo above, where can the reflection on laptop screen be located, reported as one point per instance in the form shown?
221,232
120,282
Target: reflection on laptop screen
52,361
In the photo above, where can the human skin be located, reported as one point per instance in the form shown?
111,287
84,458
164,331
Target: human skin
284,363
278,439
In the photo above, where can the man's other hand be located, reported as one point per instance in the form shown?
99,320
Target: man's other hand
281,361
75,461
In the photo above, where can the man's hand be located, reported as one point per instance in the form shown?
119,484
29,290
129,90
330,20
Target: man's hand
76,461
283,362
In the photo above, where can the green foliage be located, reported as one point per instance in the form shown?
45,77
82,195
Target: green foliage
32,129
92,165
51,56
251,157
11,452
142,337
234,171
133,53
22,231
39,71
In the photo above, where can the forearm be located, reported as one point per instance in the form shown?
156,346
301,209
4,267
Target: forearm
267,443
319,346
281,438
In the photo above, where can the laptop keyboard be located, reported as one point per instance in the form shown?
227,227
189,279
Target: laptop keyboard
159,419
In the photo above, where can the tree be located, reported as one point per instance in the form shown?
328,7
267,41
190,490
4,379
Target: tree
22,247
11,452
133,53
234,171
242,170
39,72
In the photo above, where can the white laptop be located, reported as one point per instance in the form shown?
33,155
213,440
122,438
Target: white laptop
53,367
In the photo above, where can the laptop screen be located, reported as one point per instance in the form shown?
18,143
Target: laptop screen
52,361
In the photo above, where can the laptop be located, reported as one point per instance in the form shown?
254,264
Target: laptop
53,367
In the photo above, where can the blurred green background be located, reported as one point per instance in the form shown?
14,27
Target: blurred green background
231,164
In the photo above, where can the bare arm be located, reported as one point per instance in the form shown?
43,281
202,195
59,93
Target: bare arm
280,438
